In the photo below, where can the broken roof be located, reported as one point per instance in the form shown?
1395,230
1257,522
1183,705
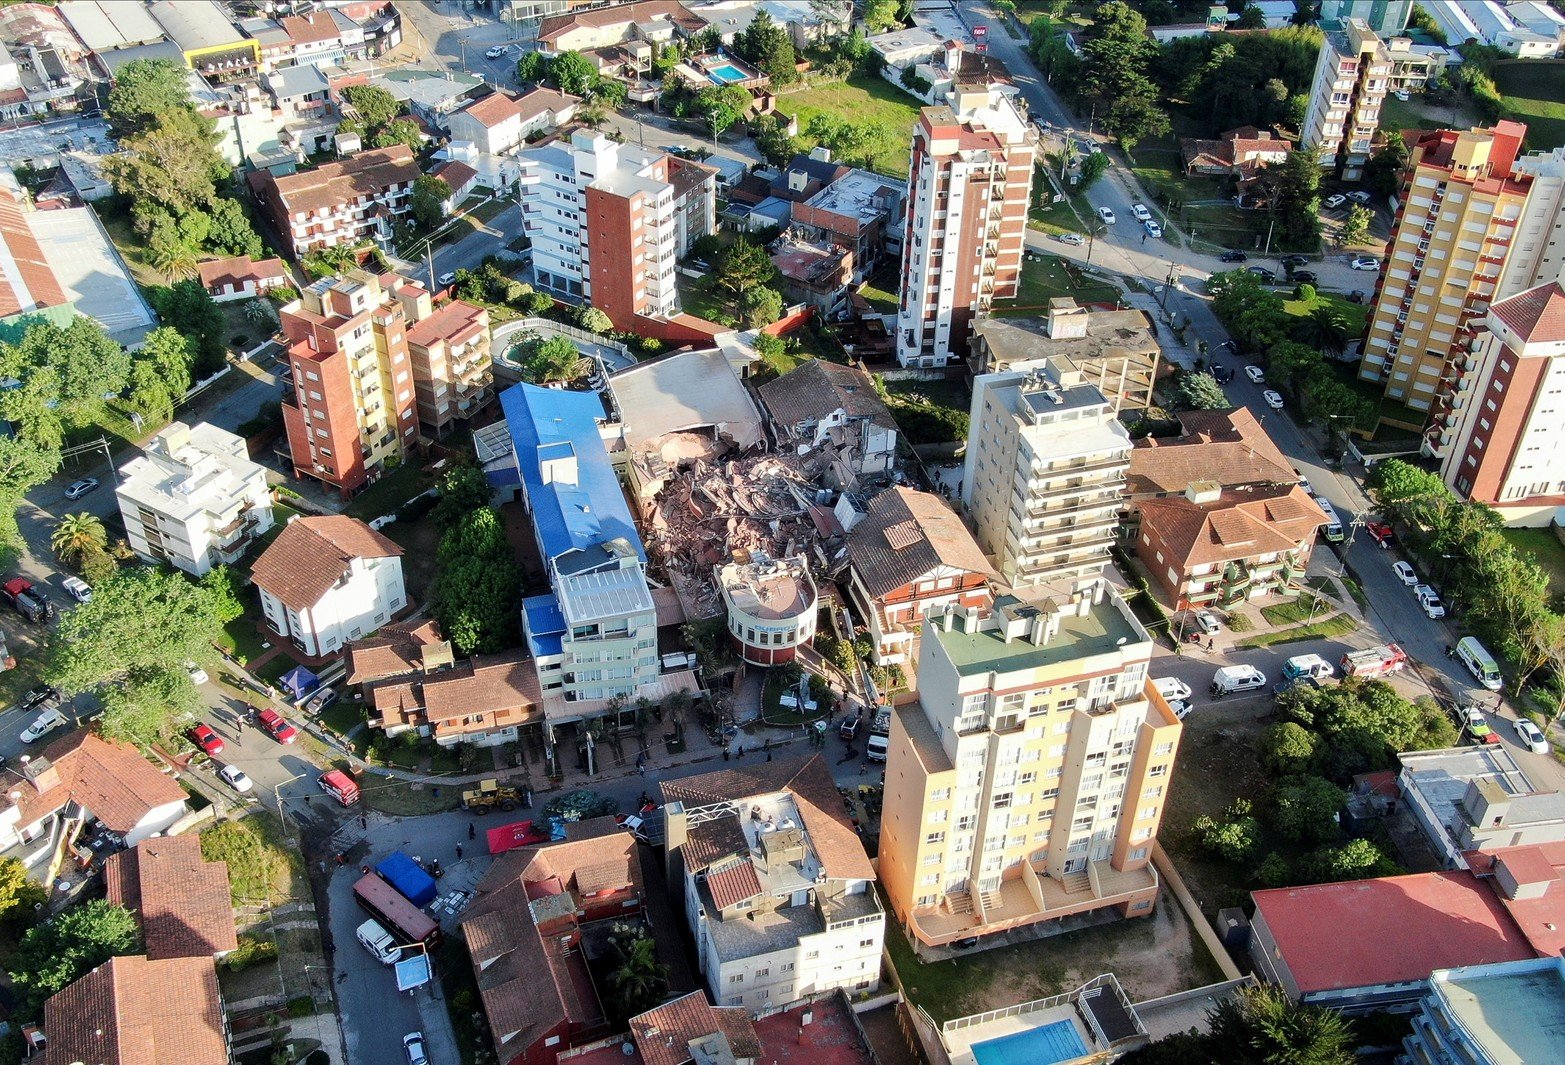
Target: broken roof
689,390
905,534
816,388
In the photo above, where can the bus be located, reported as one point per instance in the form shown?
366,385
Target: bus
400,917
1479,662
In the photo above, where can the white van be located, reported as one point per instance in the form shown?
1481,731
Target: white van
1230,679
1479,662
875,750
378,942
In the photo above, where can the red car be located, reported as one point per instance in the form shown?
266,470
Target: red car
1381,532
276,727
206,739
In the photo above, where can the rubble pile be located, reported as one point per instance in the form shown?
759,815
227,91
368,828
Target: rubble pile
712,512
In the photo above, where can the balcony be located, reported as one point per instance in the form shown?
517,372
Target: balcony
1038,499
1030,897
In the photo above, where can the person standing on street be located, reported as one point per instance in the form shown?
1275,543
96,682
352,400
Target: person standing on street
458,852
472,832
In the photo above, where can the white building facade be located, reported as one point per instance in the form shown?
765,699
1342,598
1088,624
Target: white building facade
367,595
1352,78
193,498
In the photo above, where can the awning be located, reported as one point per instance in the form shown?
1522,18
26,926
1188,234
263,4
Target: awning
300,682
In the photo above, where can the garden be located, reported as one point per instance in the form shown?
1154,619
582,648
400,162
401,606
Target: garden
882,120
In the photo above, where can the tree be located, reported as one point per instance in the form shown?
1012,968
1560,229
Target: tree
744,265
572,72
1304,809
880,15
1362,725
1093,167
1117,54
375,105
1287,748
1323,328
533,66
1383,172
770,348
1262,1025
173,163
767,45
64,375
141,622
594,319
1200,391
1291,364
464,488
479,588
169,352
428,201
637,982
776,144
231,232
144,90
20,896
611,93
723,105
1298,199
1133,119
24,465
760,305
189,308
56,954
77,536
1355,228
402,131
1231,837
1251,18
149,708
555,359
223,588
1357,859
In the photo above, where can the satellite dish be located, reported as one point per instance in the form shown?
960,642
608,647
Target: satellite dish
628,1049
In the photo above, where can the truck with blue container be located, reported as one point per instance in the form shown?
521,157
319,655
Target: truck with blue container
408,877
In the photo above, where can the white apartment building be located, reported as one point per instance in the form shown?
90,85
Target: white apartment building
777,888
1045,474
1028,782
193,498
608,220
966,221
328,580
1352,78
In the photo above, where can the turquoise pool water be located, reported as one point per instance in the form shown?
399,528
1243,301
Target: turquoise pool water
725,74
1037,1046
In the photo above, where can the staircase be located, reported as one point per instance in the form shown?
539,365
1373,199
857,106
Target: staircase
959,902
1078,883
991,901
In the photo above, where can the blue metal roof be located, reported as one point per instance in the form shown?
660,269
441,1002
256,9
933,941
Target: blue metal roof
544,623
549,423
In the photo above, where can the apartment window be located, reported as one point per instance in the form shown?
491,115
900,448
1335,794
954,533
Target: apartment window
785,967
1158,771
965,823
1002,800
812,955
866,943
940,794
933,858
767,971
737,978
934,839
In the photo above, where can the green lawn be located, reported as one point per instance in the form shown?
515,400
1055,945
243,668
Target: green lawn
1355,314
1534,93
881,289
1056,217
1045,277
930,412
1294,610
1544,548
390,492
699,296
1340,625
866,100
262,861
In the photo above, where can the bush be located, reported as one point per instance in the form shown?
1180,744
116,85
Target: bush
303,1006
1233,837
252,950
417,507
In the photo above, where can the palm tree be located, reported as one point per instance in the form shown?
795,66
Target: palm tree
78,537
639,982
1325,330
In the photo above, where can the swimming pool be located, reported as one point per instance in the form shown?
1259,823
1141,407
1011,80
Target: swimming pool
725,74
1037,1046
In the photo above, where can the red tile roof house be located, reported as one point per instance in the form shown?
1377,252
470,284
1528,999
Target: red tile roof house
80,778
690,1030
486,701
1371,944
242,277
1237,153
500,123
909,554
138,1011
523,930
1216,513
182,902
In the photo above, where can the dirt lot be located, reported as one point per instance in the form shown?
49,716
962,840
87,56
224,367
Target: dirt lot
1151,956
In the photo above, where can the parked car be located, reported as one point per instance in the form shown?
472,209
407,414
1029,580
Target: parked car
80,488
1531,736
1107,216
1261,272
202,736
1273,399
413,1043
77,589
1304,483
46,723
1360,196
496,52
197,674
1139,210
1335,200
45,695
27,600
1303,277
1404,573
276,727
1402,94
1365,262
1221,374
1207,622
1075,240
1473,721
1381,533
235,778
322,699
1289,262
848,729
1432,605
1233,257
447,278
1153,227
1255,374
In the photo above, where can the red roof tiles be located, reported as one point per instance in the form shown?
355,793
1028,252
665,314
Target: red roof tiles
1537,316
